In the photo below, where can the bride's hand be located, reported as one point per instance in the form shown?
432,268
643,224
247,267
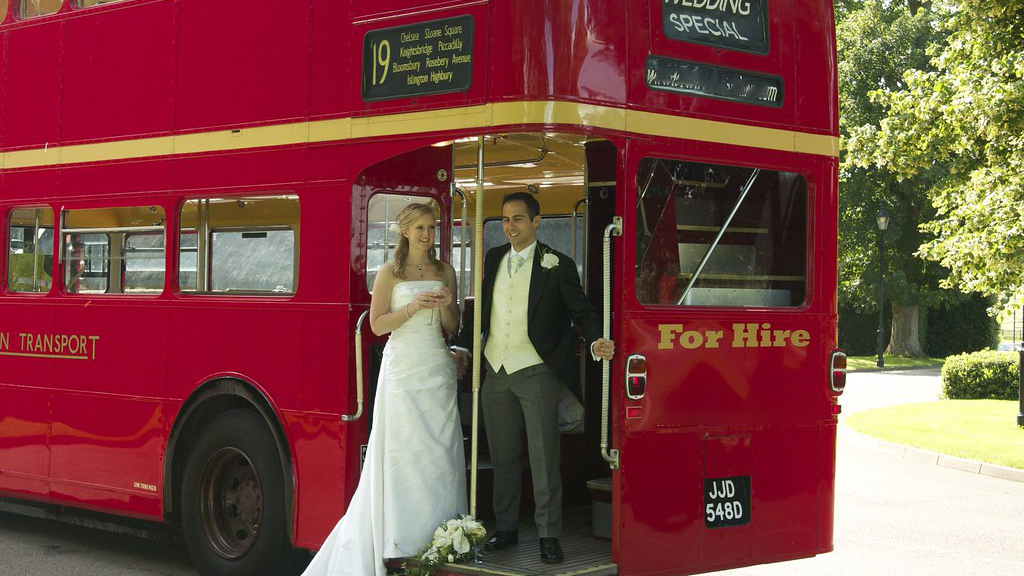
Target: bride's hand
424,300
443,297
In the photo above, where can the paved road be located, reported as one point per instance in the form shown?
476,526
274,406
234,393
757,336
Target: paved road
894,515
897,515
37,547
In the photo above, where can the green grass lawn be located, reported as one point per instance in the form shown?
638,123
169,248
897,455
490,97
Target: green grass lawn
858,362
984,430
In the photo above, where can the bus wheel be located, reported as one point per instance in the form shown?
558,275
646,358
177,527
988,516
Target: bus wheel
232,501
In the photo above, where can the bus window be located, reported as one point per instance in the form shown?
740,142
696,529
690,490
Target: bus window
87,3
30,250
555,231
239,245
114,250
713,235
34,8
382,236
144,262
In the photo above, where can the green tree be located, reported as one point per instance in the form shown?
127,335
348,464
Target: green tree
877,42
966,114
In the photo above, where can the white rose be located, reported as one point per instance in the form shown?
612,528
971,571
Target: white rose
549,261
460,541
451,558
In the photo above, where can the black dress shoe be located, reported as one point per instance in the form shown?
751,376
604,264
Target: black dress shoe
551,551
502,539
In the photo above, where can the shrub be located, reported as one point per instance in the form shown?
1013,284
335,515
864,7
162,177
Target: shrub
960,327
981,375
858,330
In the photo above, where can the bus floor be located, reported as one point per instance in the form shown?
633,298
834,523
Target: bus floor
585,554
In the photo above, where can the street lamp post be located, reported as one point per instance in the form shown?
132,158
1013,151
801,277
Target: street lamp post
882,219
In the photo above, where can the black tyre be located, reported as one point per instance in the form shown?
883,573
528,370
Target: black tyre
233,501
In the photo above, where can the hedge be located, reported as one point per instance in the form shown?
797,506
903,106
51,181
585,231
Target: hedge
981,376
945,330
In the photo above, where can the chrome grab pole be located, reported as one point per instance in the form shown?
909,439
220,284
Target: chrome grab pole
359,370
462,251
575,217
478,267
611,456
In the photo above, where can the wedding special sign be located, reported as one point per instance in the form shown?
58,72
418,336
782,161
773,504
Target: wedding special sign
734,24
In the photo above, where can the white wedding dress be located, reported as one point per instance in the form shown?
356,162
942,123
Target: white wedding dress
414,475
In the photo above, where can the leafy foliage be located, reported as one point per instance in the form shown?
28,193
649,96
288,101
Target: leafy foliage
966,114
877,42
981,376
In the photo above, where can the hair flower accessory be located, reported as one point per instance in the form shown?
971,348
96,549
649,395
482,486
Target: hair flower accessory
549,260
394,227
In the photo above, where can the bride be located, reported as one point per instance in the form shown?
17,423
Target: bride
413,478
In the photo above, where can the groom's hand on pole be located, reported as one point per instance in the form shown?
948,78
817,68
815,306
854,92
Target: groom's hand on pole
604,349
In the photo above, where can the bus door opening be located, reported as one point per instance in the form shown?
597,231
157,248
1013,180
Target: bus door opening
379,194
573,177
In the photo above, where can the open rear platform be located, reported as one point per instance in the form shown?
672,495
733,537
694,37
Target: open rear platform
584,554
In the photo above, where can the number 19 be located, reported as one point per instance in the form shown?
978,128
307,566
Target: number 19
381,56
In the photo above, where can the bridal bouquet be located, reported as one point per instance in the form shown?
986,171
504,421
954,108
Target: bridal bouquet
454,540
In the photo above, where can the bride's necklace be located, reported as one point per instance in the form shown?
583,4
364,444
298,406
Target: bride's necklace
419,268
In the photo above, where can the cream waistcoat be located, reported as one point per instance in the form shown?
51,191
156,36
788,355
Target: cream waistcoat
508,339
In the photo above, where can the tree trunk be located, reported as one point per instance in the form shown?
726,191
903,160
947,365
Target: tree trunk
914,5
905,338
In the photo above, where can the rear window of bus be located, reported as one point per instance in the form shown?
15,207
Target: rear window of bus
715,235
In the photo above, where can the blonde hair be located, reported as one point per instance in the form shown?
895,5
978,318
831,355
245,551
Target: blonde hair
404,220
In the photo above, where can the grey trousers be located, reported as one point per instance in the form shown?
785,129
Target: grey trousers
526,399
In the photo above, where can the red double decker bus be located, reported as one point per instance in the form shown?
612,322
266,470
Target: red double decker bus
195,197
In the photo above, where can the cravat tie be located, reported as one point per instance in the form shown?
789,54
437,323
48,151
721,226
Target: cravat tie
514,262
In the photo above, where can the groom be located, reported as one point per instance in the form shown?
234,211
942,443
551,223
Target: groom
531,299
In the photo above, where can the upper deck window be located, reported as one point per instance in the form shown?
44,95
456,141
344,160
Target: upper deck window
714,235
35,8
30,251
244,245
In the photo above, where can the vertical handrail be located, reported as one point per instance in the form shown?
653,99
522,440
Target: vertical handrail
614,229
462,250
35,254
359,370
575,217
478,256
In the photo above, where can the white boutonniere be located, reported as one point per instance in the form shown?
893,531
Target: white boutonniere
549,260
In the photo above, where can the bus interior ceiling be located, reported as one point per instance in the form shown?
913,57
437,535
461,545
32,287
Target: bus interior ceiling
550,166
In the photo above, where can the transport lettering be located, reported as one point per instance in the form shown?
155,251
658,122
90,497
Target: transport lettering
32,344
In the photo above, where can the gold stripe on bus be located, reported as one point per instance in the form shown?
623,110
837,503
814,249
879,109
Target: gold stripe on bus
465,118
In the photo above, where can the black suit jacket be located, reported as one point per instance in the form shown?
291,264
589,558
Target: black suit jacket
556,303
